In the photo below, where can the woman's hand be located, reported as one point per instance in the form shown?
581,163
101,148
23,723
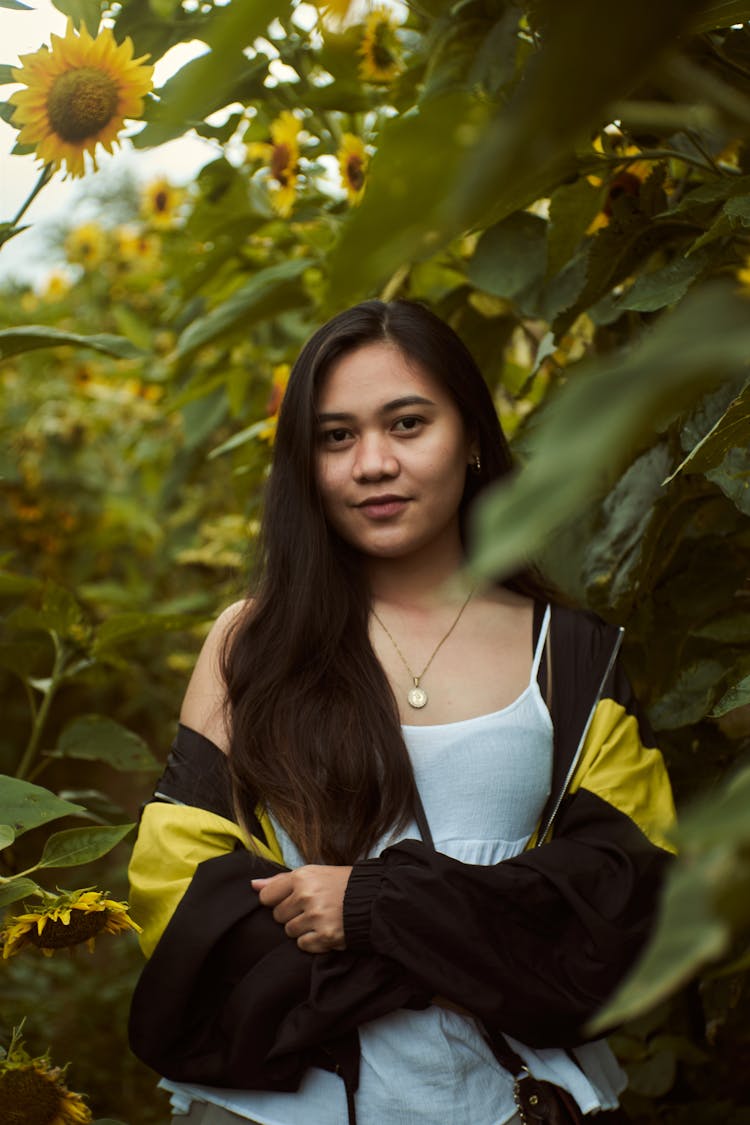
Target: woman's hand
309,903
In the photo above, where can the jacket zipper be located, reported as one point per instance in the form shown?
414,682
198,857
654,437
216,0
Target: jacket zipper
542,836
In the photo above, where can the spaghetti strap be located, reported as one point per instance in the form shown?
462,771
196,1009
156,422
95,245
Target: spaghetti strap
540,643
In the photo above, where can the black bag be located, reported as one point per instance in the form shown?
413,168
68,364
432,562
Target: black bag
543,1103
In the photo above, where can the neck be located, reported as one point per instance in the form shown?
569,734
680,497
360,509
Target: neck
419,580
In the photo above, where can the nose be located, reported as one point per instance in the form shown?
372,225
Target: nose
375,459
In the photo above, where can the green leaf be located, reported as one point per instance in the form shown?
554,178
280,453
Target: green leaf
721,13
98,738
16,5
400,217
82,11
32,336
207,83
60,612
239,439
571,211
25,806
511,256
591,428
665,286
706,897
82,845
613,559
731,431
6,74
18,888
121,628
729,630
737,696
7,835
266,294
153,35
11,585
690,698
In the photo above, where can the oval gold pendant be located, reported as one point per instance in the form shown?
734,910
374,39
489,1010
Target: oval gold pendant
417,697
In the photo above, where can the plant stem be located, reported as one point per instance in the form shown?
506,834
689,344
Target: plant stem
29,755
44,178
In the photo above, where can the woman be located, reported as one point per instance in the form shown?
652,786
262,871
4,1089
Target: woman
377,853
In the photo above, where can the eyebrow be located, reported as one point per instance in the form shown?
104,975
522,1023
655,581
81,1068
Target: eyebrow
387,408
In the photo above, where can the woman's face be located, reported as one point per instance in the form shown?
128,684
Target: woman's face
392,453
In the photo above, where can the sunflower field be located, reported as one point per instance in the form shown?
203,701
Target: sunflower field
568,185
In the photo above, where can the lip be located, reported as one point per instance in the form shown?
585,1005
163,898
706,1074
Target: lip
382,507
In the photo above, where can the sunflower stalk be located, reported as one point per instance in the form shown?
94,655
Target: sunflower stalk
40,718
44,178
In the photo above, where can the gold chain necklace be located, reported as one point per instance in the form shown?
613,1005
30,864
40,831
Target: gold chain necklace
417,697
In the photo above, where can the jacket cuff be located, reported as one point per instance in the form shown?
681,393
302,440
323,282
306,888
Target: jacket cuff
361,891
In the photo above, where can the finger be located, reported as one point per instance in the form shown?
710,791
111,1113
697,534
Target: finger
312,942
297,926
275,890
286,910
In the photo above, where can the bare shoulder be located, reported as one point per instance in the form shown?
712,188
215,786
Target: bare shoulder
203,705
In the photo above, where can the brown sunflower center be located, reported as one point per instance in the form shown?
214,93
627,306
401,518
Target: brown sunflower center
279,162
81,102
382,54
28,1097
56,935
161,201
355,172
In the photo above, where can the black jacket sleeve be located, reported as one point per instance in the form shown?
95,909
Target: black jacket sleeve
534,945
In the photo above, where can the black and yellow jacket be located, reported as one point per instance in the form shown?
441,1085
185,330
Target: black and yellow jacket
532,946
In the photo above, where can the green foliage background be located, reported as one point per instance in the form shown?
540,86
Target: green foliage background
596,272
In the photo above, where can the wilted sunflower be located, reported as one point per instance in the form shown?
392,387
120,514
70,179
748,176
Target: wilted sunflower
67,919
160,203
86,245
77,96
353,159
380,48
282,156
32,1092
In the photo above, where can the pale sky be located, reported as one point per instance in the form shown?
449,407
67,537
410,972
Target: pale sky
24,257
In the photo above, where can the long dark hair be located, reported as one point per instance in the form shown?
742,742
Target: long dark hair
315,733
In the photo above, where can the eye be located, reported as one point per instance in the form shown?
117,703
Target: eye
409,424
335,437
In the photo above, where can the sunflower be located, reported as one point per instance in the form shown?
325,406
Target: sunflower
135,251
352,159
86,246
160,203
627,180
67,919
282,156
32,1092
77,96
56,286
380,48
